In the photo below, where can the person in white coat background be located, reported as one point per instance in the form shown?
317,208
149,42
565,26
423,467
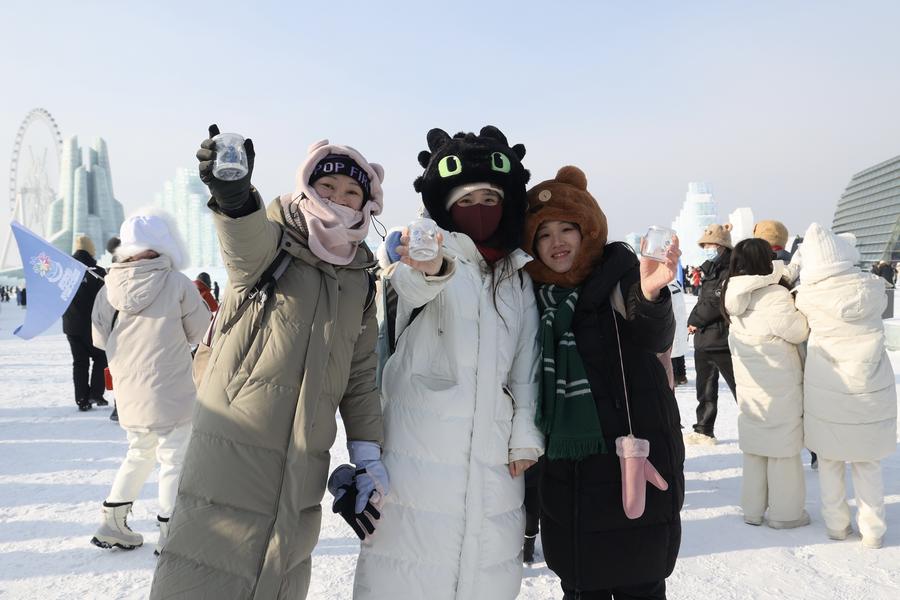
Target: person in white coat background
849,398
765,329
459,393
146,318
680,343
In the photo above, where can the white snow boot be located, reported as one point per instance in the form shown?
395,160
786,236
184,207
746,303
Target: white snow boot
696,438
114,531
873,542
163,523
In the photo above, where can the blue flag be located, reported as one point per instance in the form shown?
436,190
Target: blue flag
51,277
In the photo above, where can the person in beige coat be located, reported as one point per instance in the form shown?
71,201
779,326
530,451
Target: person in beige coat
763,337
849,396
146,317
283,361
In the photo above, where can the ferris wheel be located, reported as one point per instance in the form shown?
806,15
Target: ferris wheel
33,176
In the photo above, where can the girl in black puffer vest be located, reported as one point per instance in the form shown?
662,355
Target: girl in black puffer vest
603,298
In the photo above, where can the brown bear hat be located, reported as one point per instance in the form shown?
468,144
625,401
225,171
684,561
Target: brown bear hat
565,198
773,232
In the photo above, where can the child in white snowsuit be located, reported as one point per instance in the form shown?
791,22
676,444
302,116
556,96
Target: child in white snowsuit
146,318
763,336
850,402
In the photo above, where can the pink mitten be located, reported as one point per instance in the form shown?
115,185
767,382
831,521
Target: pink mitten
636,472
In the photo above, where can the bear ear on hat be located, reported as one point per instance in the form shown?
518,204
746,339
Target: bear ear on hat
437,138
572,176
424,158
727,226
379,170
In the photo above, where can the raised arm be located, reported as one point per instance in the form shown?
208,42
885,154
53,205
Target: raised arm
248,240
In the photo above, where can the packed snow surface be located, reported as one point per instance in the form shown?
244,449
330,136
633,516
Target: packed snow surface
58,464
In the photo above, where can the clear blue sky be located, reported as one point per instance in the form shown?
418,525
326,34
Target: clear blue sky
776,104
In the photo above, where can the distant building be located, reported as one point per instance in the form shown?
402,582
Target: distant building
741,224
870,209
86,205
185,198
699,210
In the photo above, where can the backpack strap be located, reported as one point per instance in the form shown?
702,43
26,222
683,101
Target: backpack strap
114,319
370,295
262,288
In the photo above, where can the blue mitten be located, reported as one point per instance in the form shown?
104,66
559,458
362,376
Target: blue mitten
372,481
390,245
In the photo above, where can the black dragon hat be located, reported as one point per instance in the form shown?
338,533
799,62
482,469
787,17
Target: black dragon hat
468,158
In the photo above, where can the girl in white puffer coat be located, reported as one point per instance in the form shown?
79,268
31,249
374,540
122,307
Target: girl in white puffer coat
765,331
459,392
850,402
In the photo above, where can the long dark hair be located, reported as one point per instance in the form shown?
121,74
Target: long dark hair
752,256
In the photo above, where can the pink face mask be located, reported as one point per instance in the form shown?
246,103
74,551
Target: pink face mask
479,222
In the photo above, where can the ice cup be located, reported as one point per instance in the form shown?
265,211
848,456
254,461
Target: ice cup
231,159
423,244
656,243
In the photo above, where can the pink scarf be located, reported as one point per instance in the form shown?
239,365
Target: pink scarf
335,231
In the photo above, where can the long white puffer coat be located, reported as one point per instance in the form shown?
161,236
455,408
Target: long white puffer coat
680,342
765,330
850,402
459,403
161,314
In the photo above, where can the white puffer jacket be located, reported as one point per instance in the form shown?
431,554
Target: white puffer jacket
161,314
850,402
763,337
680,342
459,404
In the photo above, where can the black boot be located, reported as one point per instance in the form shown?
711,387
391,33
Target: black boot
101,401
83,404
114,415
528,549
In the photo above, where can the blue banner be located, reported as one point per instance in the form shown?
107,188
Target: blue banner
51,277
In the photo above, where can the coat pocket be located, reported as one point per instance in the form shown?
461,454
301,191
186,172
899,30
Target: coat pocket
249,361
501,428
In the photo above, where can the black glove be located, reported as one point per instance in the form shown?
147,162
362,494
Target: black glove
229,195
342,485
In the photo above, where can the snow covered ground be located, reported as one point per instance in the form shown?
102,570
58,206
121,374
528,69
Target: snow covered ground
57,465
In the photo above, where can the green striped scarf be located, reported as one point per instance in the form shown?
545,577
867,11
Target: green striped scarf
566,411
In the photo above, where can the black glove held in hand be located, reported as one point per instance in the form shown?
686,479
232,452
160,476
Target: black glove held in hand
342,485
230,195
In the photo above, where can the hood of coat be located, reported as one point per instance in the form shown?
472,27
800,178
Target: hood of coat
133,286
848,297
827,254
741,288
